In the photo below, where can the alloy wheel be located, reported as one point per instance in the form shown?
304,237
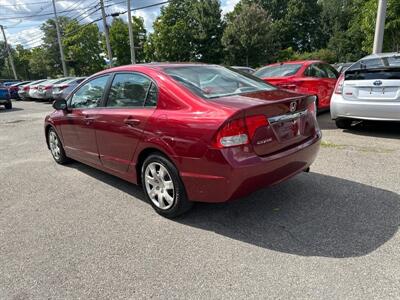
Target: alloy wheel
159,185
54,145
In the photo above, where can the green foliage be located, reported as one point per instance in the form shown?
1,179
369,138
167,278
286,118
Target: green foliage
82,49
392,25
39,63
248,38
207,31
119,40
50,45
187,30
300,26
321,54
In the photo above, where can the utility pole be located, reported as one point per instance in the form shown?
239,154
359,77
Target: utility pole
131,41
64,66
380,26
10,58
103,14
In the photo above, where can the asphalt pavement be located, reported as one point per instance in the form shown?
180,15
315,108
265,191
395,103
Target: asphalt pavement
69,232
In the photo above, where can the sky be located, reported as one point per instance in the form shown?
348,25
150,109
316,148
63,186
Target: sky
22,18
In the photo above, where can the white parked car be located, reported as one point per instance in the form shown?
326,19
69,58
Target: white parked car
368,90
45,89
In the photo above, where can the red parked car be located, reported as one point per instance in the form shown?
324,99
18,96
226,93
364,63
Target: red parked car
312,77
186,132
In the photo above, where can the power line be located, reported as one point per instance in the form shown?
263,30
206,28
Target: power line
34,16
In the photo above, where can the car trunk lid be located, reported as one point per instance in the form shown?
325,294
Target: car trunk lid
289,118
381,84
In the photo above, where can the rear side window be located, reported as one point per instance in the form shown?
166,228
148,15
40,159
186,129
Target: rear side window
316,70
151,99
330,71
129,90
281,70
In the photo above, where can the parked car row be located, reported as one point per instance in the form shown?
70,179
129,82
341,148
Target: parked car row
48,89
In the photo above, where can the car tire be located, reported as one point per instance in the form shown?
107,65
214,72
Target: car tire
8,105
163,187
343,123
56,147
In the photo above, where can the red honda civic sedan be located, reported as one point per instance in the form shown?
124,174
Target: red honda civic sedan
311,77
185,132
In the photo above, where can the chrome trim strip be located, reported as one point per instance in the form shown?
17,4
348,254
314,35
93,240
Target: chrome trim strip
287,117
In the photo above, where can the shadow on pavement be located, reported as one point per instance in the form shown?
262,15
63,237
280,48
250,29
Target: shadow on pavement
389,130
364,128
309,215
3,110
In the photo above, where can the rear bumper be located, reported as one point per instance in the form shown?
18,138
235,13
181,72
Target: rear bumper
45,95
228,174
364,110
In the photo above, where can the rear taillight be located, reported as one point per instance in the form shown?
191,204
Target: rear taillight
239,131
254,122
47,87
26,88
339,84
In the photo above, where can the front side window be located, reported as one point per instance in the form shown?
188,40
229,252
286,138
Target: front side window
90,94
215,81
281,70
128,90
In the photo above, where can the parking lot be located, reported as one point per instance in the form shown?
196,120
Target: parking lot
75,232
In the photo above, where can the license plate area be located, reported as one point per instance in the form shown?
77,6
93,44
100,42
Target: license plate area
288,128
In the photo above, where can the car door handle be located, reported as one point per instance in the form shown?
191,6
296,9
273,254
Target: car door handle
89,119
130,121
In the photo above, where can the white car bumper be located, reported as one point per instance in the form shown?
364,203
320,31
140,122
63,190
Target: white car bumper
364,110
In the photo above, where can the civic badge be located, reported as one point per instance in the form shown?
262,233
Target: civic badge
292,106
377,82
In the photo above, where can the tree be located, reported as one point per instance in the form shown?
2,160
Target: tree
248,38
207,31
392,26
22,57
341,30
119,40
39,63
172,37
50,44
300,26
82,48
187,30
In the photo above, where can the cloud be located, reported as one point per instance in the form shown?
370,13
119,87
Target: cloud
228,5
26,31
29,38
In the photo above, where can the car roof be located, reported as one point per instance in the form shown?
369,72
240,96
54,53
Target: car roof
302,62
381,55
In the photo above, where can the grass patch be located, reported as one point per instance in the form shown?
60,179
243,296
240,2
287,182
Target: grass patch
327,144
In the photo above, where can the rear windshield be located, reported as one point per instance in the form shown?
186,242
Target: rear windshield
281,70
377,63
216,81
371,74
375,68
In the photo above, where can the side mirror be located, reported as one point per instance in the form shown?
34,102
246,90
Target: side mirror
60,104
